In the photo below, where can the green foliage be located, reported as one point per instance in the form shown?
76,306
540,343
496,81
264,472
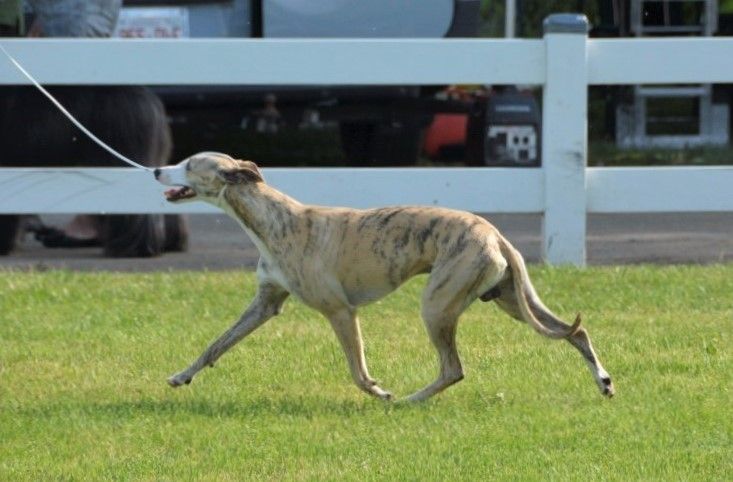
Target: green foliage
84,357
530,15
607,154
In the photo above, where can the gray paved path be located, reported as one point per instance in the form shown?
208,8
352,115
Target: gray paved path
217,243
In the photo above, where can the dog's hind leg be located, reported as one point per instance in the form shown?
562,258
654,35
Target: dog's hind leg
346,325
580,339
442,332
454,284
452,287
266,304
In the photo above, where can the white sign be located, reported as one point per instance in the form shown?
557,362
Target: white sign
157,22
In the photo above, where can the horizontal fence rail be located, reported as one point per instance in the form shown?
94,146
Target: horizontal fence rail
565,62
491,190
357,62
668,189
275,62
127,190
660,60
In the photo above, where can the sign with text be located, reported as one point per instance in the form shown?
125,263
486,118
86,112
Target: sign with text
157,22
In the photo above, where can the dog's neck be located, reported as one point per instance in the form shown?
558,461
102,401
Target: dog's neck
263,210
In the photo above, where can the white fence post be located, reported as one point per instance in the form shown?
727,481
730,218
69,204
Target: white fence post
564,138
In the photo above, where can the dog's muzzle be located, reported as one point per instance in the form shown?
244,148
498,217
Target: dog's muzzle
178,192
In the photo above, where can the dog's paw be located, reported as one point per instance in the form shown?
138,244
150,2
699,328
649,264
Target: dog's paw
607,388
180,379
382,394
387,397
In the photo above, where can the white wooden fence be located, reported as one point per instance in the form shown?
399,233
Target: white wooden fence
565,62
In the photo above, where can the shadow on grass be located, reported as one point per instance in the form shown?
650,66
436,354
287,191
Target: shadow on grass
302,407
305,407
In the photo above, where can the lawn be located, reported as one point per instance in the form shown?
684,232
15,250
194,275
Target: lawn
84,358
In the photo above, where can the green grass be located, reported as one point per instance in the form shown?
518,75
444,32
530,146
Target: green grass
84,358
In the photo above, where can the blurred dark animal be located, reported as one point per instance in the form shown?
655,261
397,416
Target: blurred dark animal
130,119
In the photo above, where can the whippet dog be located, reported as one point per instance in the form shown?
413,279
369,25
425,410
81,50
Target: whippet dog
337,259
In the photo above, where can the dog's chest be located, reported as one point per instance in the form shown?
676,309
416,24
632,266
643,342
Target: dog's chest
268,268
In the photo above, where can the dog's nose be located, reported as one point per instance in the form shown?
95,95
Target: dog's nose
156,173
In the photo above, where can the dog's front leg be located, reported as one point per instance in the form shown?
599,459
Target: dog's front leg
266,304
346,325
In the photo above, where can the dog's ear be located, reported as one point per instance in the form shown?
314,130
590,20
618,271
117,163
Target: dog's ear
246,171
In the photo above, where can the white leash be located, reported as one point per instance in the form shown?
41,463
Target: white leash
69,116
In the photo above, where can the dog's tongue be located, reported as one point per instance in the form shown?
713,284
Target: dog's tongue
171,193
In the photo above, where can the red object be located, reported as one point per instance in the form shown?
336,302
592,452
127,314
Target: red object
445,130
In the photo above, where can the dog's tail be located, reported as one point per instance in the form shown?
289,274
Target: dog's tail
522,285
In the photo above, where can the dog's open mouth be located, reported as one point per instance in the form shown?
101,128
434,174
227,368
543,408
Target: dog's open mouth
179,193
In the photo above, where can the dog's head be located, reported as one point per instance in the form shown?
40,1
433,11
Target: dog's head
203,176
